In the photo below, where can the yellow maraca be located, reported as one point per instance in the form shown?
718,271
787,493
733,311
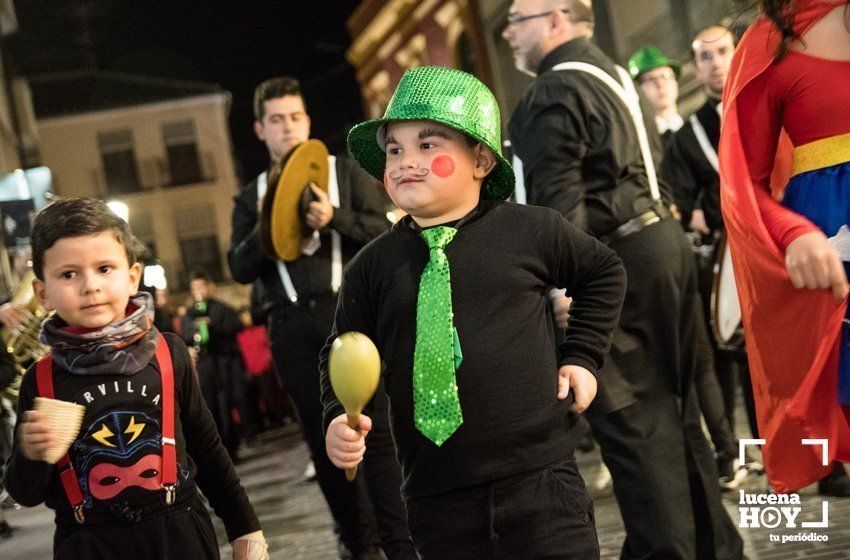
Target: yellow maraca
354,368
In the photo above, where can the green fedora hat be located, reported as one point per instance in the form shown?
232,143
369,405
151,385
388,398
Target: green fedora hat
446,96
649,58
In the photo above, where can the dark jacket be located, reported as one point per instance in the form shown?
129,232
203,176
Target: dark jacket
581,156
578,144
360,217
695,183
224,324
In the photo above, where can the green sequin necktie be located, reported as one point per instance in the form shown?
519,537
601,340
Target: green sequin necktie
436,406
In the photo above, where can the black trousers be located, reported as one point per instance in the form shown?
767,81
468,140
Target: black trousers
710,396
180,533
666,482
664,474
545,514
297,334
726,363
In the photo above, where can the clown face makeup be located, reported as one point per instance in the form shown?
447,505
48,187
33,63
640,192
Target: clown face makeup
432,172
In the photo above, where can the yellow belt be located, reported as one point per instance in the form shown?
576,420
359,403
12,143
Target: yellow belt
820,154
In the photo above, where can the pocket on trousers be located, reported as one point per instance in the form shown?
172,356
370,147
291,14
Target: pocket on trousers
568,484
208,541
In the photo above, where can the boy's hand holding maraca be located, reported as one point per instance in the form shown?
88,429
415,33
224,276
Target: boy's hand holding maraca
346,446
354,367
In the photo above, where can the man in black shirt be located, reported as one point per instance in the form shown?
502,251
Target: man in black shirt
300,299
690,159
690,167
582,155
210,327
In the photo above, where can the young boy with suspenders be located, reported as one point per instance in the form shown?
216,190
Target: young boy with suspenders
127,487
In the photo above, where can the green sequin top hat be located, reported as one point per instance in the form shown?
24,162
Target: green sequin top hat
446,96
649,58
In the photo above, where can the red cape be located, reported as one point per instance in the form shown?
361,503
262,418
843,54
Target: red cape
792,335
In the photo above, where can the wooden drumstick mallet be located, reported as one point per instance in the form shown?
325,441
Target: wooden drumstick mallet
354,367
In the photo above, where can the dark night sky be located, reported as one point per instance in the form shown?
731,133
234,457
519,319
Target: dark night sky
235,44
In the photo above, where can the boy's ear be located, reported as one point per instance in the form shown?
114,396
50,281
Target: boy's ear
485,161
135,278
38,288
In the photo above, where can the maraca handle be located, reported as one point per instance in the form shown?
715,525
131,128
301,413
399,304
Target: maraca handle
354,424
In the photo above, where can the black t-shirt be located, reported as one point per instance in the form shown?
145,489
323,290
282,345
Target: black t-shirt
117,453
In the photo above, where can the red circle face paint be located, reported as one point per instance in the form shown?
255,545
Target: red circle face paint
443,166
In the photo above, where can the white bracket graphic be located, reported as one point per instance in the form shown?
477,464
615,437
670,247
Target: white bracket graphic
824,519
742,447
825,443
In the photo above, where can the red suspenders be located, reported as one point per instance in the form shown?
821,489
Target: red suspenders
44,382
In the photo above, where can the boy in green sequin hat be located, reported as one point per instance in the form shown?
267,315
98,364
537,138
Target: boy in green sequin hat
455,298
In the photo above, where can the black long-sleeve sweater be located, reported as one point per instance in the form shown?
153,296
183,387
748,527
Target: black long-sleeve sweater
119,407
503,261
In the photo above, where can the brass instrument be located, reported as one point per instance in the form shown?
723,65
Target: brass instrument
22,343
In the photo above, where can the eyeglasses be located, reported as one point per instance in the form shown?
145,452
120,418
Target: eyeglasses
658,79
516,19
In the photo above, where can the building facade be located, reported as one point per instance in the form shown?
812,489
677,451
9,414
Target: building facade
19,153
18,137
392,36
162,148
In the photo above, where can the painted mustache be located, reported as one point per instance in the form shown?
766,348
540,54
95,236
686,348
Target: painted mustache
419,174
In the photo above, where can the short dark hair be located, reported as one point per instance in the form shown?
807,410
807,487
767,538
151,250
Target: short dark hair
75,217
199,274
272,89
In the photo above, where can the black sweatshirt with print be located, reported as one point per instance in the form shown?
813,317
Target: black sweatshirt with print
115,454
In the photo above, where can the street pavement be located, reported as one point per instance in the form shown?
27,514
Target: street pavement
298,527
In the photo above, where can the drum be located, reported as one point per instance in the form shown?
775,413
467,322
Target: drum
725,307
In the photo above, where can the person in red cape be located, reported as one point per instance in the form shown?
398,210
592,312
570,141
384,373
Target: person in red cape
785,181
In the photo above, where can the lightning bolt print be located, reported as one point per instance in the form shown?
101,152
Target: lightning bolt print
102,434
133,428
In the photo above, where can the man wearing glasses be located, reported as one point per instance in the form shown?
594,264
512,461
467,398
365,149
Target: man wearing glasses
658,78
586,152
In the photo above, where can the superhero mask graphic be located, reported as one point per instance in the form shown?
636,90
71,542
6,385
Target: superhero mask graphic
121,453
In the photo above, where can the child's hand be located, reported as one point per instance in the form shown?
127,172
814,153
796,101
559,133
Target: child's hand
345,446
581,381
251,547
35,435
